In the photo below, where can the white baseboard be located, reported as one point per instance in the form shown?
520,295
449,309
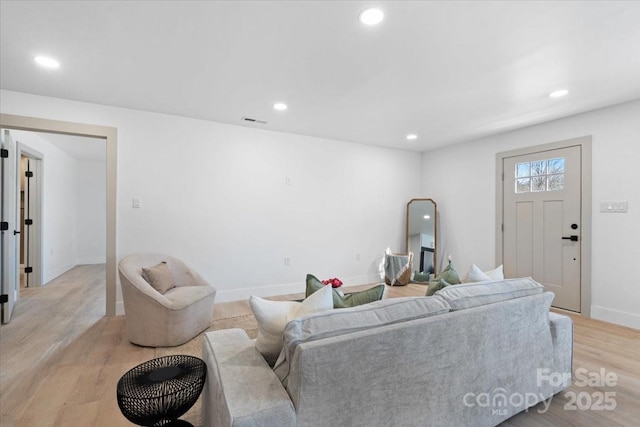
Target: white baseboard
623,318
92,260
119,308
57,272
267,291
227,295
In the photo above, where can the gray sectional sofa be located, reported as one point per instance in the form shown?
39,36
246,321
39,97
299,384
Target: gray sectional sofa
471,355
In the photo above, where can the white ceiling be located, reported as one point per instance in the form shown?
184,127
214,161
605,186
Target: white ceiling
447,71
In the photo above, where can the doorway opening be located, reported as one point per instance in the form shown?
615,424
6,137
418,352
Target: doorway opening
67,227
108,134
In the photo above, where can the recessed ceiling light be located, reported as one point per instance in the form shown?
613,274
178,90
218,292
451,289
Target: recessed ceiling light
371,16
280,106
46,62
558,93
412,136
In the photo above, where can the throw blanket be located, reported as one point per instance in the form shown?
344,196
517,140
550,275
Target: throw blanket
396,265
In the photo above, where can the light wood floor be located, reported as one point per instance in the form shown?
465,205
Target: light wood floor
60,359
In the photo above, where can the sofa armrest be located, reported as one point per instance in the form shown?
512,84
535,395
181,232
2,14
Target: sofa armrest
241,389
562,338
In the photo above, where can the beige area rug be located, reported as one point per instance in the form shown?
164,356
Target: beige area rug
194,348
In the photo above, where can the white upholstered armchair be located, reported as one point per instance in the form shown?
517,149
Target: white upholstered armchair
175,309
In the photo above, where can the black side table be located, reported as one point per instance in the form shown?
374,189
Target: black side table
159,391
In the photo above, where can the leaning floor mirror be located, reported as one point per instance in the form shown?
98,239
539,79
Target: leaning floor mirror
422,237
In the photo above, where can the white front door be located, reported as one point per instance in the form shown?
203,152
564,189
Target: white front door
542,221
9,255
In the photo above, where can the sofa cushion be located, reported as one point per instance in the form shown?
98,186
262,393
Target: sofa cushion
340,322
183,296
272,317
475,294
344,301
159,277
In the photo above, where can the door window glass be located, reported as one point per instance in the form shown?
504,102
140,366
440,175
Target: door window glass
540,175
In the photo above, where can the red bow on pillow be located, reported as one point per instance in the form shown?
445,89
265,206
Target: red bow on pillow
335,282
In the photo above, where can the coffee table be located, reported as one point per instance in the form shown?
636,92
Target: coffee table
161,390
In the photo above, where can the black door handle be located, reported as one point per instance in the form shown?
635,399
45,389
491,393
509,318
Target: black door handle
573,238
15,232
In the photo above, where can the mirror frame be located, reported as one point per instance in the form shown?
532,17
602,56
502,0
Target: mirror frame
435,230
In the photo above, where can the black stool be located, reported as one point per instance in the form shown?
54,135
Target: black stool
159,391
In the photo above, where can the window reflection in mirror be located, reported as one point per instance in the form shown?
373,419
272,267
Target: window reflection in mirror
421,235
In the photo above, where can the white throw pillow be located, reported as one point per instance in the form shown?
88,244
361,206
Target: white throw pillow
273,316
495,274
476,275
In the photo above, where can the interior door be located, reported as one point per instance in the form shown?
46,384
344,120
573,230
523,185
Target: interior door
9,256
27,225
542,221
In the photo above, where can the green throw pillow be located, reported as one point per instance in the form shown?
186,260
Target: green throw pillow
421,277
436,285
450,275
346,301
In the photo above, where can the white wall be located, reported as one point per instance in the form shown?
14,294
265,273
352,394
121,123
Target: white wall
58,205
462,181
91,211
214,195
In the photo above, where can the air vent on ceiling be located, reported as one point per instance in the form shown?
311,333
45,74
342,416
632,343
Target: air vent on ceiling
252,120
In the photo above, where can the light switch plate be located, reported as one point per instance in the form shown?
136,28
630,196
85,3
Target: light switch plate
614,207
135,202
